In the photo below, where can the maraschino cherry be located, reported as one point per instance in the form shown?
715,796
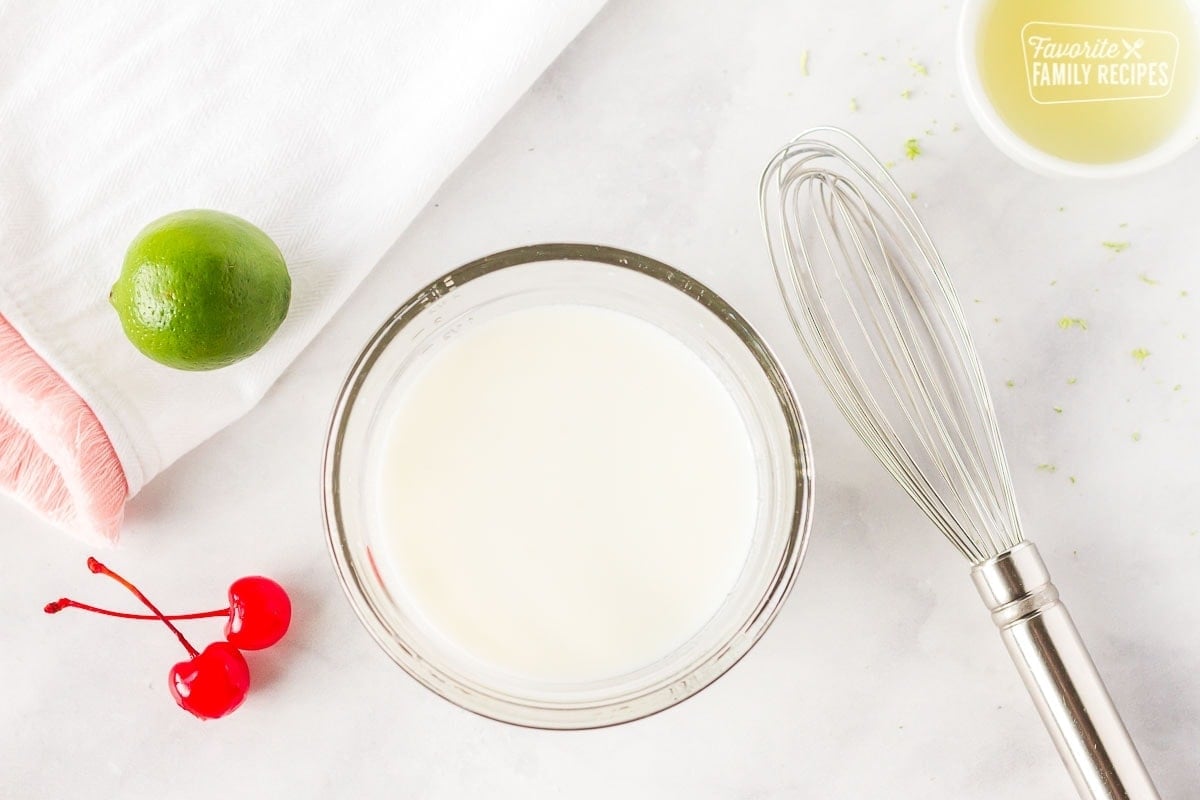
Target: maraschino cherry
259,612
214,682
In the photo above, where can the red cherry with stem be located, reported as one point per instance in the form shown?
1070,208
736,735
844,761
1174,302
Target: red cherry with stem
213,683
259,612
209,684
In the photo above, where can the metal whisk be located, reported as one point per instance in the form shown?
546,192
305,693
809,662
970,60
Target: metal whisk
873,306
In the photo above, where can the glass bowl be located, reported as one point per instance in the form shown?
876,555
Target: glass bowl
584,275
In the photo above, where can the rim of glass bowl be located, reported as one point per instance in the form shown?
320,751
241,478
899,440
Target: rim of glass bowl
592,712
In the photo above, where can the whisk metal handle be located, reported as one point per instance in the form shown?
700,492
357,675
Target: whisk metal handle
1061,678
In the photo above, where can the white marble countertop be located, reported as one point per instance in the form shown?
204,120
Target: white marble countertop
883,676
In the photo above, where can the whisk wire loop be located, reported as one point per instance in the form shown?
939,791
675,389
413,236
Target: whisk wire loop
872,304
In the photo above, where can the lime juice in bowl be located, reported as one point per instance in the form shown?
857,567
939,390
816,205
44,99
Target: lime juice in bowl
1083,88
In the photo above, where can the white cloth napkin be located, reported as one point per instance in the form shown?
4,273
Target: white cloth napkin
327,124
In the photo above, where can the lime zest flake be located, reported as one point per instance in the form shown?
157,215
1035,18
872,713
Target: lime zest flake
1136,436
804,63
1010,383
1058,409
1066,323
1140,354
906,94
1072,381
912,149
1146,279
1177,387
1047,468
853,104
1116,247
917,67
1071,478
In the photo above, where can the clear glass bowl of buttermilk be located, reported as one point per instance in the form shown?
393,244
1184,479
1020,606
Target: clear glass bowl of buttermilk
566,486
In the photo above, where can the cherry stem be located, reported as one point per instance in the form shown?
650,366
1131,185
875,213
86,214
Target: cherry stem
66,602
97,567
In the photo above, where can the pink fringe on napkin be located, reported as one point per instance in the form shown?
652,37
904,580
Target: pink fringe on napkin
54,455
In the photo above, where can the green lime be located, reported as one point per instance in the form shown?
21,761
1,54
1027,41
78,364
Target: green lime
201,289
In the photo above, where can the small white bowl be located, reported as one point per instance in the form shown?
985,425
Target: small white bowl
1025,154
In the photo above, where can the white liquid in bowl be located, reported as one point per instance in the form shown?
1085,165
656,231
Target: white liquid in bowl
567,493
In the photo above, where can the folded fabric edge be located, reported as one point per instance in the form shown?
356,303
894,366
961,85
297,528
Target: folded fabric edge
55,457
